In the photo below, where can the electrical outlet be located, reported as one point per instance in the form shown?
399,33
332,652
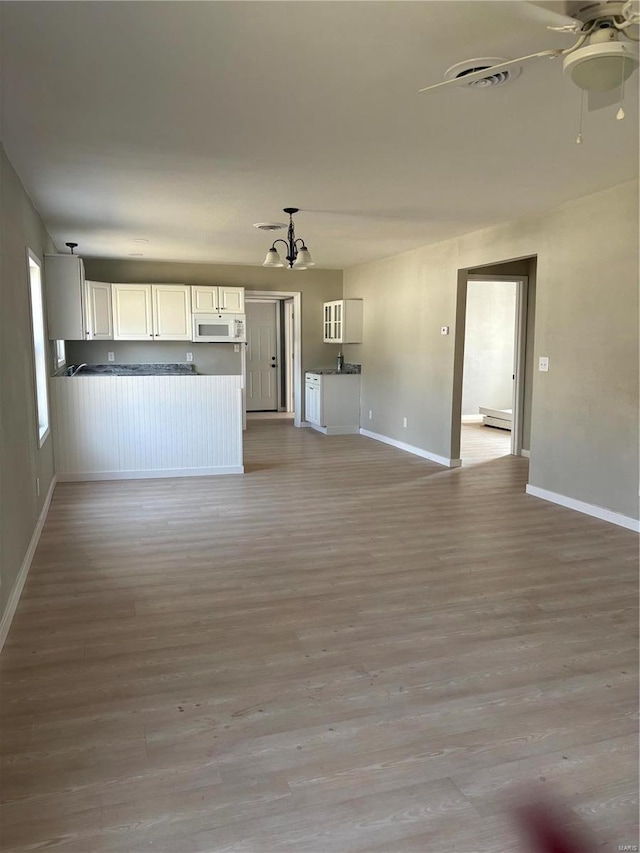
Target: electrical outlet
111,356
404,423
370,414
444,330
38,486
189,356
236,347
543,363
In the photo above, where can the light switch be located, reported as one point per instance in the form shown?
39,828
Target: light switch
236,347
444,330
543,363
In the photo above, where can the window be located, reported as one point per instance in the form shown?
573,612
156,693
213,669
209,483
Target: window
61,355
39,348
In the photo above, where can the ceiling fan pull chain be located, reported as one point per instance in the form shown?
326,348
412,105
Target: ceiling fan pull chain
620,113
579,136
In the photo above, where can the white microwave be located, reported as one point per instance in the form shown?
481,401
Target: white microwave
219,328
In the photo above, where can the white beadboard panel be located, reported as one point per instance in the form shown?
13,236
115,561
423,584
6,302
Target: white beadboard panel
151,424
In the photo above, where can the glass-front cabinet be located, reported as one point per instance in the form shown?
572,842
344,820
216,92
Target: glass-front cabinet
342,321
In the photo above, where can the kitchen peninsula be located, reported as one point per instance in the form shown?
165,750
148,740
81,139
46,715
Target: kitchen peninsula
142,421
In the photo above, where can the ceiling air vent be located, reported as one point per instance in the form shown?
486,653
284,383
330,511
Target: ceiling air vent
269,226
497,78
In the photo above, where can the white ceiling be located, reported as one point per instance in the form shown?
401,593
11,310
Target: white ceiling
185,122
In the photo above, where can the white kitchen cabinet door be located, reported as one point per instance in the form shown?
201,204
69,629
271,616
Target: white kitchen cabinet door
99,312
64,280
217,300
204,300
171,312
132,312
342,321
313,408
231,300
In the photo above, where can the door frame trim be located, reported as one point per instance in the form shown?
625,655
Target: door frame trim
268,300
519,349
281,295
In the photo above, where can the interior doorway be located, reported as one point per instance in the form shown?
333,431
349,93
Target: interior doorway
271,359
491,405
263,366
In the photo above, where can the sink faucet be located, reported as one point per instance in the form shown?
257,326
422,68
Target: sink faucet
75,369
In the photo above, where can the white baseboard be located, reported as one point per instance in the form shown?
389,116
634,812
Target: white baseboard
166,473
525,453
409,448
471,419
16,592
587,509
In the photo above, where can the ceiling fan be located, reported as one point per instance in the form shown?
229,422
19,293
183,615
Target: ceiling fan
603,57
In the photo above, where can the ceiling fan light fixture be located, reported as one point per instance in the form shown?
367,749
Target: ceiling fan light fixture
303,259
298,256
272,259
601,67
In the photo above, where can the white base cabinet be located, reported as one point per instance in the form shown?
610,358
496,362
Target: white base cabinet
332,402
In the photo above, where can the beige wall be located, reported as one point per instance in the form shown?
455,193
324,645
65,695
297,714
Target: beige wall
214,359
584,412
489,345
21,462
315,286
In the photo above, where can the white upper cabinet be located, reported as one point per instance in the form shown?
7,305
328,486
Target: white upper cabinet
98,311
171,312
217,300
64,281
231,300
132,320
342,321
151,312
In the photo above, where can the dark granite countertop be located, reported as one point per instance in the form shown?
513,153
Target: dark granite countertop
130,370
346,368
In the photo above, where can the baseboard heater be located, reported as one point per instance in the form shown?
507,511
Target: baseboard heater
500,418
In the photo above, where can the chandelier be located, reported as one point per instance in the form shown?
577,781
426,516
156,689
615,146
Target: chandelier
297,258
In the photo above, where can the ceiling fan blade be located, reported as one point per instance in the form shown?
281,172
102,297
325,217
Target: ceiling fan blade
493,69
550,14
600,100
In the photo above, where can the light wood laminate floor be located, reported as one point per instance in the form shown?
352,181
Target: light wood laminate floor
480,443
347,649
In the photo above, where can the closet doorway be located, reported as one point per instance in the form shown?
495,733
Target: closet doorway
492,387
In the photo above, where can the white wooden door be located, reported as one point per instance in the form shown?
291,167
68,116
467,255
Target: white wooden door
171,312
262,357
99,311
132,318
